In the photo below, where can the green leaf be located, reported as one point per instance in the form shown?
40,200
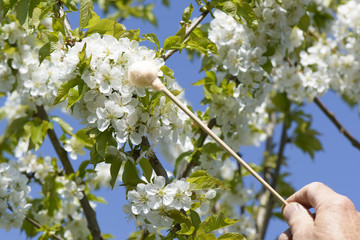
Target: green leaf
267,66
103,140
230,8
178,216
152,38
44,51
108,236
85,12
82,168
76,93
204,181
281,102
200,43
186,15
58,25
83,136
304,22
115,168
130,176
232,236
185,229
104,26
146,168
305,139
167,71
38,131
30,230
205,236
215,222
173,42
195,219
95,198
247,12
64,125
65,88
132,34
52,202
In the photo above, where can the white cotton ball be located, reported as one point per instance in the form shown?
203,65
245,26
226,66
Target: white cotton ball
142,73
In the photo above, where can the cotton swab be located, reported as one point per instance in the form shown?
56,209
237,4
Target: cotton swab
144,74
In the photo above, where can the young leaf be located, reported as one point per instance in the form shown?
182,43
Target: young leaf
185,229
204,181
104,26
178,217
64,125
215,222
186,15
65,88
85,12
305,139
52,201
152,38
173,42
232,236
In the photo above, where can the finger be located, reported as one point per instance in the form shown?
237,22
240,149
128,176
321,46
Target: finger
300,220
313,195
285,235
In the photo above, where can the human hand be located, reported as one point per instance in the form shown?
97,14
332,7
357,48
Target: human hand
335,216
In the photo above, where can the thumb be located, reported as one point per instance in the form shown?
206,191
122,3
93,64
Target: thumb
300,220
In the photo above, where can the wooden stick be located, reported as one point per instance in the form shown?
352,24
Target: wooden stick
220,142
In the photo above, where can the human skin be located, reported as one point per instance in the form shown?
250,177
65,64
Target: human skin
335,217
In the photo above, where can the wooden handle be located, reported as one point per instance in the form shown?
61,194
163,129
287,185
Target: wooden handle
221,143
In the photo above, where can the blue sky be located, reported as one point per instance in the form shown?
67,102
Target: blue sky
337,165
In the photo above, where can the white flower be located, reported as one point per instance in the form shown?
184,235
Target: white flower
139,199
159,194
181,199
108,114
75,147
204,200
126,129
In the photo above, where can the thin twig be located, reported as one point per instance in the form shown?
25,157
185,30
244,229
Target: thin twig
88,211
66,22
337,123
38,226
275,179
187,33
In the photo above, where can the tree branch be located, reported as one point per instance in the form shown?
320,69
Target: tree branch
268,199
337,123
38,226
88,211
187,33
154,161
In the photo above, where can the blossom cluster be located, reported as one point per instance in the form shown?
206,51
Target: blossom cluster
149,203
113,102
69,191
110,100
14,194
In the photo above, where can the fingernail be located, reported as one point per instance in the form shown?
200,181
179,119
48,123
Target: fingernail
290,210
